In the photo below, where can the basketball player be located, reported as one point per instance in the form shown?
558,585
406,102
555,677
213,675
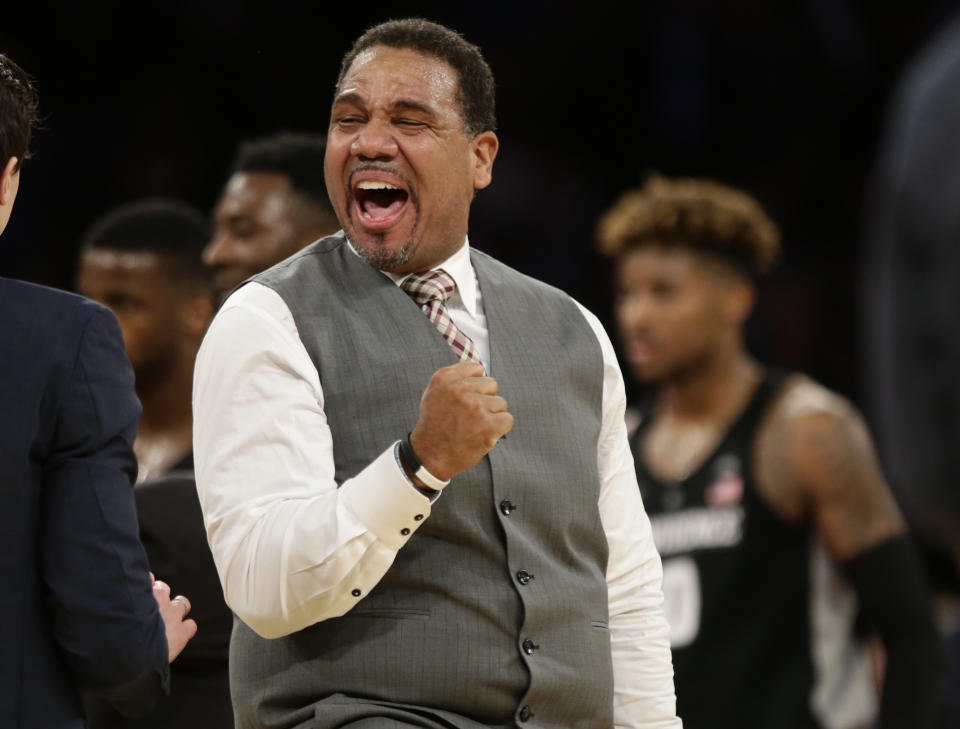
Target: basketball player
143,261
274,203
774,522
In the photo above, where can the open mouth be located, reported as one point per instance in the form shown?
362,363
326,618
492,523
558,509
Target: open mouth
379,203
639,351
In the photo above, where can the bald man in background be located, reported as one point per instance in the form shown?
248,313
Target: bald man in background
273,204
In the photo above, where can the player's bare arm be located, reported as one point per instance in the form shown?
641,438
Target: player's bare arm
816,461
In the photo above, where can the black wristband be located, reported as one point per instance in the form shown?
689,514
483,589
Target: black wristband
409,457
424,481
894,602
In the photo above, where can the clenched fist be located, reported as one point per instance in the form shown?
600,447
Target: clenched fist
461,419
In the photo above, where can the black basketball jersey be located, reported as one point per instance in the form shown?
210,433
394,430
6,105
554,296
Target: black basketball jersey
761,625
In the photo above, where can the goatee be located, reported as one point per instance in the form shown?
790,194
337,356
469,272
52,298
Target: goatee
384,259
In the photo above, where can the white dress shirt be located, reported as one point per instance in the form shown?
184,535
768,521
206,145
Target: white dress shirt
292,548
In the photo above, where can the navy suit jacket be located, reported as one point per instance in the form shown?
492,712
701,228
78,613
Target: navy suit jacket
77,611
172,531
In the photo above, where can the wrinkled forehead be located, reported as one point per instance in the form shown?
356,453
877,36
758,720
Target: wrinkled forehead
385,74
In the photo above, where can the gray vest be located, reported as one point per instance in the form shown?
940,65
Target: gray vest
495,611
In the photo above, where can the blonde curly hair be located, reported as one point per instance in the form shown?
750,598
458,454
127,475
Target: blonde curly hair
694,213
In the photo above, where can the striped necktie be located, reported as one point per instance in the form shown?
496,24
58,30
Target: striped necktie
430,289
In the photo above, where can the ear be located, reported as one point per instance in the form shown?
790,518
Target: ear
6,180
739,300
196,313
484,149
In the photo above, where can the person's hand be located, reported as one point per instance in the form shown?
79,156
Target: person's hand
461,419
179,628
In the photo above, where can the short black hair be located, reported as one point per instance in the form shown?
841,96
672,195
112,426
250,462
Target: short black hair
298,156
475,86
173,230
18,111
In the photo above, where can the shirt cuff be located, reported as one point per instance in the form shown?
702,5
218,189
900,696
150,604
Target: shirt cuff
386,501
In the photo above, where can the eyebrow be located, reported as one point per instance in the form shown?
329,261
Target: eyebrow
230,218
349,98
398,105
410,105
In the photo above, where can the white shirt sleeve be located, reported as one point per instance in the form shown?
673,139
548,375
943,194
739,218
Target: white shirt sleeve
301,550
644,695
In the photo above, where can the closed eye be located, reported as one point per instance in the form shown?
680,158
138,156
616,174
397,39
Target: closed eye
120,303
663,290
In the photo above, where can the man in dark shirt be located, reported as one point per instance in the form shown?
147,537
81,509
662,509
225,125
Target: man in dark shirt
767,504
274,203
143,261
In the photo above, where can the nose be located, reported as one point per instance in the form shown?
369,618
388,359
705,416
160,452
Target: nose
633,311
218,250
375,141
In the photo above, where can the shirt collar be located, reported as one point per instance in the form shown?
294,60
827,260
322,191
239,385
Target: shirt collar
461,271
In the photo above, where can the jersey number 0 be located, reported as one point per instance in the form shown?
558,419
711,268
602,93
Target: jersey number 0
681,600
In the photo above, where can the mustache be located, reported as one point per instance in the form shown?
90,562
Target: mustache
380,167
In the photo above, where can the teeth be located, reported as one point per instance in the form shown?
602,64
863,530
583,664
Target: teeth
367,215
376,185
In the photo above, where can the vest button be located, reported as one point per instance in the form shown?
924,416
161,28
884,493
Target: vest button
507,507
524,577
355,592
525,714
418,517
404,531
529,647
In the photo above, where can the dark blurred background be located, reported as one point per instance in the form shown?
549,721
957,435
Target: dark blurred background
783,99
